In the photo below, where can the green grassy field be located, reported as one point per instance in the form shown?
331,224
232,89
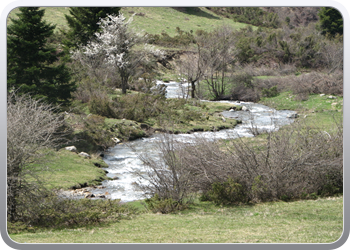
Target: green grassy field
67,169
306,221
153,20
53,15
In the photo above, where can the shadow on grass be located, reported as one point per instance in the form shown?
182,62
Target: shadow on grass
196,11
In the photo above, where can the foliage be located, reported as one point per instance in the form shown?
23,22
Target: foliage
97,132
51,211
271,92
101,104
164,206
331,21
181,38
227,192
82,23
250,15
33,66
115,44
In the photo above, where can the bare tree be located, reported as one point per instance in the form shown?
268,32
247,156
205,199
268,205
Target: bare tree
211,59
219,53
192,67
32,126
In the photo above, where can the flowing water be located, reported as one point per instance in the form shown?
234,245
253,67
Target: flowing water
122,159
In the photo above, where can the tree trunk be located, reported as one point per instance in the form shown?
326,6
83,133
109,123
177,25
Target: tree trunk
193,86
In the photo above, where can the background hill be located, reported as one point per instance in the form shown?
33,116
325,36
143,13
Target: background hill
155,20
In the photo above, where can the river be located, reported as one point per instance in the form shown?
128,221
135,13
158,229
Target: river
122,159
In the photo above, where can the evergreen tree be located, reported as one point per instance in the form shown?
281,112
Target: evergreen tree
32,65
82,22
331,21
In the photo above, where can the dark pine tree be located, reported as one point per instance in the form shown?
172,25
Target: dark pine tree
331,21
32,65
82,23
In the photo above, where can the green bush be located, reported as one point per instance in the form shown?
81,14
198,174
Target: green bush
164,206
51,211
228,192
271,92
102,105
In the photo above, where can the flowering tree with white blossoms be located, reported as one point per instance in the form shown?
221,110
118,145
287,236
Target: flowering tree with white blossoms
116,44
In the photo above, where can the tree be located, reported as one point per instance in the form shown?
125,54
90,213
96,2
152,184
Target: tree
116,43
193,67
331,21
215,52
32,126
218,53
83,23
32,65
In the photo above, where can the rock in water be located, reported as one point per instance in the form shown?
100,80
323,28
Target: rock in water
244,108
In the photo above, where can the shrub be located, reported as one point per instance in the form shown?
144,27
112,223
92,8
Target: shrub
271,92
292,163
228,192
164,206
101,104
52,211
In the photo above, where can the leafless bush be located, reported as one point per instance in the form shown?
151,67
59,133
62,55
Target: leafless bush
167,178
305,84
291,163
32,126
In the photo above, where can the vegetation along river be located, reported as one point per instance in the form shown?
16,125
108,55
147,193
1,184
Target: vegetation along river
123,159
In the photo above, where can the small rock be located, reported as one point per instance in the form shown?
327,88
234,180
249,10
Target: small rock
322,94
223,119
332,97
86,155
116,140
90,196
71,148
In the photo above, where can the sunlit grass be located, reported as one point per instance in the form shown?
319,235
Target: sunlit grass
306,221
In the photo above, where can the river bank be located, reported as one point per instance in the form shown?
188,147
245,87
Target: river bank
122,158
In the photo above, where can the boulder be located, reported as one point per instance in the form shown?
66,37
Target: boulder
71,148
332,97
116,140
322,94
244,108
86,155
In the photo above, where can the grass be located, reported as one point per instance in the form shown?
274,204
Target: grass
306,221
155,20
67,169
53,15
315,103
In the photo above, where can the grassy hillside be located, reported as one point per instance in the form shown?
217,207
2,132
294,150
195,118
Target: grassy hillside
153,20
54,15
